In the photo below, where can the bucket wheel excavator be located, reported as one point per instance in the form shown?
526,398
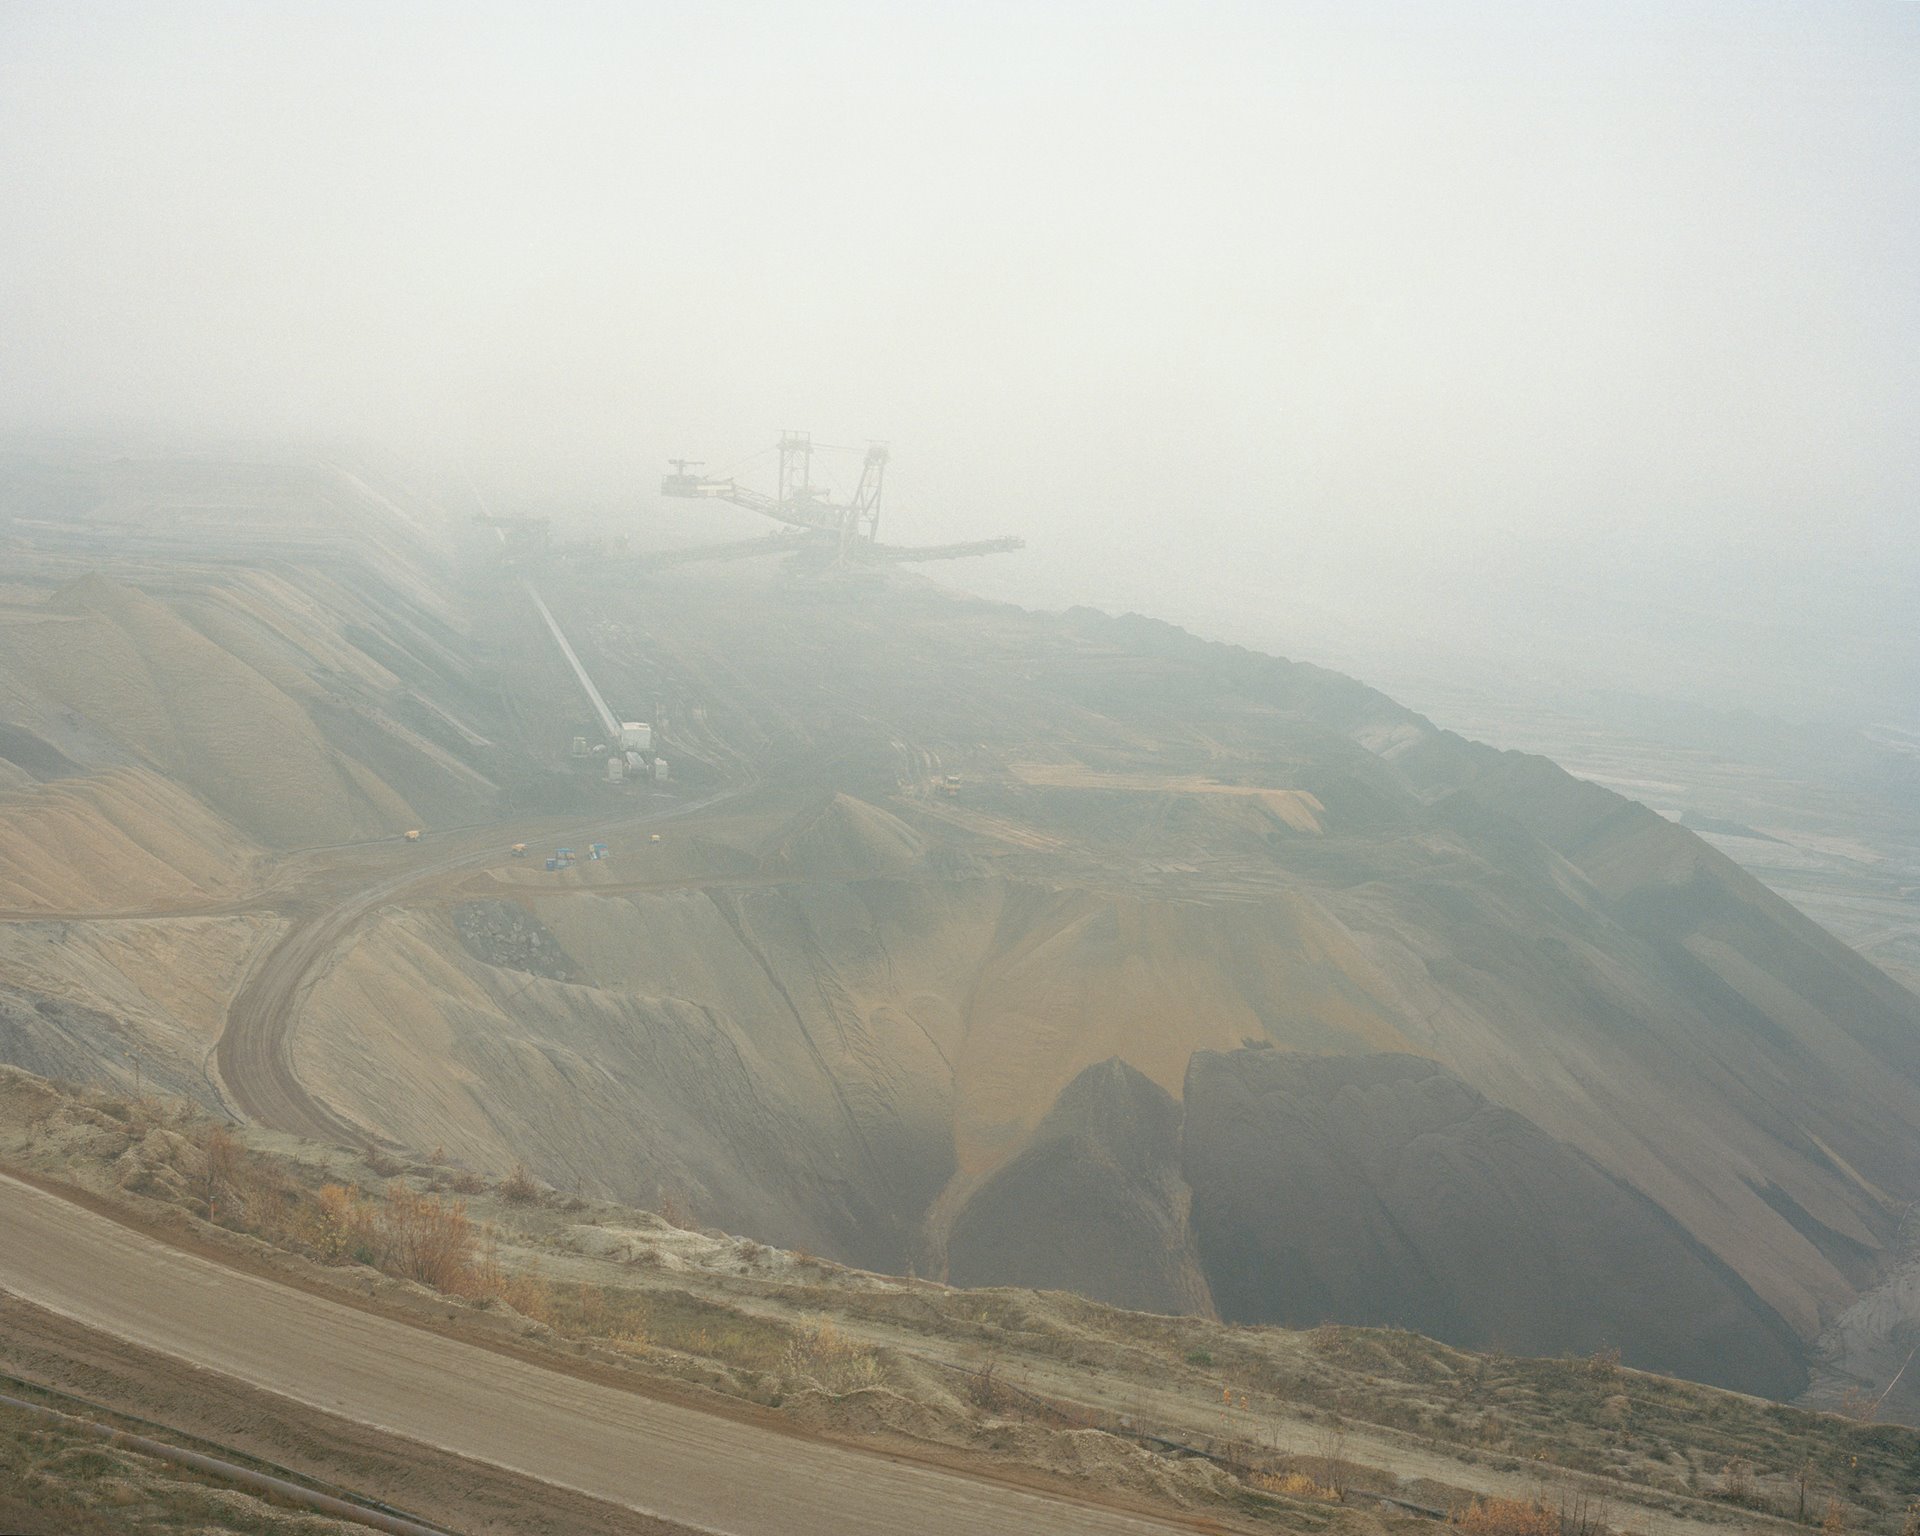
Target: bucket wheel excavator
821,530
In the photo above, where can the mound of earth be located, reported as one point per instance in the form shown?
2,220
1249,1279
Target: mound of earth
1383,1190
1094,1203
124,839
848,836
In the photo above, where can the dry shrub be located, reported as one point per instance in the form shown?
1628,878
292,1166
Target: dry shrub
225,1159
1858,1403
1582,1513
675,1212
241,1190
1507,1517
633,1338
836,1361
520,1187
985,1389
1330,1443
466,1182
427,1239
382,1163
529,1295
1295,1485
340,1226
271,1200
595,1319
417,1237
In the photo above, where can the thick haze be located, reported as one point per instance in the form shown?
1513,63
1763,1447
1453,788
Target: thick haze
1478,335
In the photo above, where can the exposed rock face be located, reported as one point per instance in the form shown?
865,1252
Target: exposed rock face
506,934
1095,1203
1384,1190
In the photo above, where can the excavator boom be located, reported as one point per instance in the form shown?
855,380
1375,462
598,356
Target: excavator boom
853,526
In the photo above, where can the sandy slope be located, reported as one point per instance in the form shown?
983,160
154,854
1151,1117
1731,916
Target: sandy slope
121,840
132,1001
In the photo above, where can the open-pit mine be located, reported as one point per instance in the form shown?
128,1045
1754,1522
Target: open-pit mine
844,913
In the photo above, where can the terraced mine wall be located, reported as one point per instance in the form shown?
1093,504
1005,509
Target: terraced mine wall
1056,949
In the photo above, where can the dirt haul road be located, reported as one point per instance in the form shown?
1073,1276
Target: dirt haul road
255,1051
663,1459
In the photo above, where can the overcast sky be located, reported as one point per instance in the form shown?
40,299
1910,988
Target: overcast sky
1329,325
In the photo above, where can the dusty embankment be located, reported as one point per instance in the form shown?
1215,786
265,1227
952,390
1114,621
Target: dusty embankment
1001,1379
702,1469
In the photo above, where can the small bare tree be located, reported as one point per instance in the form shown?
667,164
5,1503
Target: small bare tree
1582,1513
224,1158
1330,1443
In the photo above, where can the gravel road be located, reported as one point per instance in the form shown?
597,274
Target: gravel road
255,1051
664,1459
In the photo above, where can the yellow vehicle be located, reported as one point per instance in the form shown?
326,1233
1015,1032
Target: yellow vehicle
413,835
519,850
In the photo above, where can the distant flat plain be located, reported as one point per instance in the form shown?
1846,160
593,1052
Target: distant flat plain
1827,815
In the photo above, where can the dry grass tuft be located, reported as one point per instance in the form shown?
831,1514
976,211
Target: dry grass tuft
520,1187
1507,1517
824,1354
1294,1485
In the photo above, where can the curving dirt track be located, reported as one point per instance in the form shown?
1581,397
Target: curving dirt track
254,1055
665,1459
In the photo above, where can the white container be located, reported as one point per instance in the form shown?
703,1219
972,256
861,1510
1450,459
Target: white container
636,736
